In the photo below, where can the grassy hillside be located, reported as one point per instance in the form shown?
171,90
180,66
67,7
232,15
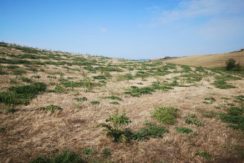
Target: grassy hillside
58,107
210,61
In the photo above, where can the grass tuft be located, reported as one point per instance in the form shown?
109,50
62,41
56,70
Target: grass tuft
165,115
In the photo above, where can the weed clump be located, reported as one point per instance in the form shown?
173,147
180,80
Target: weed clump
150,130
183,130
51,108
204,154
136,91
115,127
192,119
165,115
64,157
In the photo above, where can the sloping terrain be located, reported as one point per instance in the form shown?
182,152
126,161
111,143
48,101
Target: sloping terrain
108,110
210,61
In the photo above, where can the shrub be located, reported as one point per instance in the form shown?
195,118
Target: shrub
115,127
232,65
165,115
192,119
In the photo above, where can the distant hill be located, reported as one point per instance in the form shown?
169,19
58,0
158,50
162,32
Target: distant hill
210,61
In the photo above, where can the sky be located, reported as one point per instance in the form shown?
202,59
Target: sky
132,29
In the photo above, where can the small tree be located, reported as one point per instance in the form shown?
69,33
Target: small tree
232,65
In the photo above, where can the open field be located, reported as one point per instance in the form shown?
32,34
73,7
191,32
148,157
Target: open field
112,110
210,61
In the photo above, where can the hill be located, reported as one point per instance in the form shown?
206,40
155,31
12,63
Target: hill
210,61
59,107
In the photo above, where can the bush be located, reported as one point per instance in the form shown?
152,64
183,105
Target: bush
165,115
232,65
115,128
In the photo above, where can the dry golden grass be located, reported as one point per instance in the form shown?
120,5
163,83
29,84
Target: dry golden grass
210,61
31,132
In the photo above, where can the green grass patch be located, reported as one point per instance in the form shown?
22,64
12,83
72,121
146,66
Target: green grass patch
22,94
204,154
183,130
51,108
192,119
95,102
64,157
150,130
235,117
209,114
114,98
165,115
222,84
81,99
136,91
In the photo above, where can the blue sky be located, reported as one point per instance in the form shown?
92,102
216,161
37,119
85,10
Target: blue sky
134,29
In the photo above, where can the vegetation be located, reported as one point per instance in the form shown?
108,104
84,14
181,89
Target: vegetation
235,117
232,65
183,130
165,115
51,108
204,154
192,119
64,157
115,127
22,94
150,130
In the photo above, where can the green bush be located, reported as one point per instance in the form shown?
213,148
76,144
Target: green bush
115,128
165,115
232,65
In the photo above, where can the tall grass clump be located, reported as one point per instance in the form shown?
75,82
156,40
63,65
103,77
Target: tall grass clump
165,115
